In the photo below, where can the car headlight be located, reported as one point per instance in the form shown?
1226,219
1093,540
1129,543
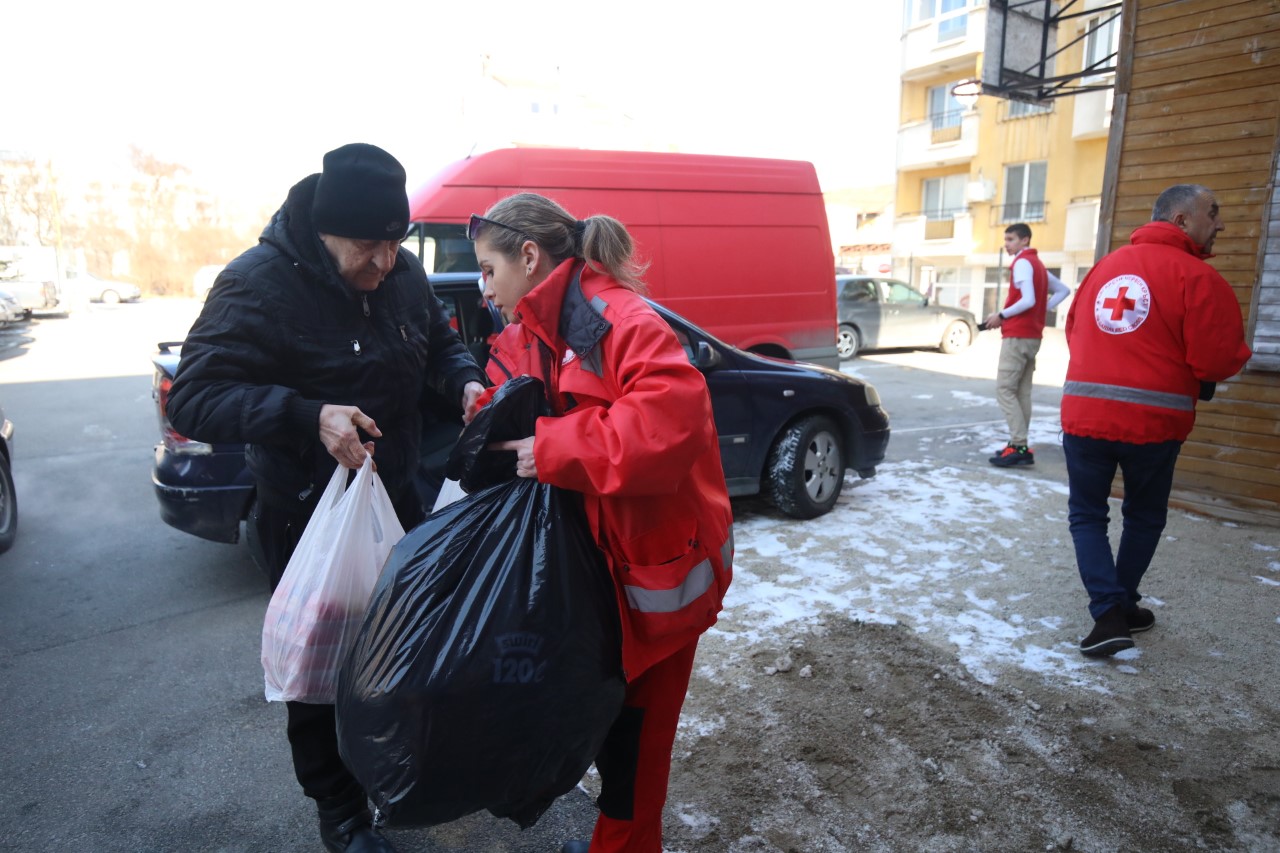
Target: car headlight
873,396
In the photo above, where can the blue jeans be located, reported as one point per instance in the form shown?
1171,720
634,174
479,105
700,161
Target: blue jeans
1148,478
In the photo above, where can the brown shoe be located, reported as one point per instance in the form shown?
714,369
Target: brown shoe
1110,634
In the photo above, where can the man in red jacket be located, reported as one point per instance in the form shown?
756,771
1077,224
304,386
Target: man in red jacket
1151,329
1033,293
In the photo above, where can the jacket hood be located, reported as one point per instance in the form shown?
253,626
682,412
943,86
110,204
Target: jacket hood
292,231
1167,234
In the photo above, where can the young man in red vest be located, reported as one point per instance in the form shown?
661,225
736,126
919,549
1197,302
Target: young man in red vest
1151,330
1033,293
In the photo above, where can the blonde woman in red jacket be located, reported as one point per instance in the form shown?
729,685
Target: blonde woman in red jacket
633,432
1151,329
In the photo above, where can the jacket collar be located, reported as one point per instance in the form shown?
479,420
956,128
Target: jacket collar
1167,234
558,309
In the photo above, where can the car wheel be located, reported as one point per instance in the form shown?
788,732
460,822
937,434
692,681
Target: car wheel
806,468
110,297
8,507
848,341
956,337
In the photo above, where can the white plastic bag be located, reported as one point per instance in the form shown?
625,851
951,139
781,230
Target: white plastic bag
450,491
320,602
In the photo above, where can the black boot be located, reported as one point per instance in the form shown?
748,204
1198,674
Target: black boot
342,831
575,847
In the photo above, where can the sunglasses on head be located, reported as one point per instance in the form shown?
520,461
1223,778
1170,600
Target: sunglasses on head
477,222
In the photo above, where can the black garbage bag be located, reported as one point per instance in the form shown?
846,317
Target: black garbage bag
488,669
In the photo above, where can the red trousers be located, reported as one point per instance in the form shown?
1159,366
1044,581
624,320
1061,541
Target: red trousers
635,761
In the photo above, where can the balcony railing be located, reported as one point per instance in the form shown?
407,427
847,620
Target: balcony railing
938,224
945,126
935,234
1026,211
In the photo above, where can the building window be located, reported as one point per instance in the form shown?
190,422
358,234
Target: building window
993,290
943,198
1024,192
944,109
1102,42
1051,317
953,20
952,16
948,290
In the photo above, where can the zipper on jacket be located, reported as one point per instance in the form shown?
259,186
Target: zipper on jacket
403,334
364,299
355,347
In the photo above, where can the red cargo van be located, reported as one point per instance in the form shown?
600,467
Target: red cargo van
737,245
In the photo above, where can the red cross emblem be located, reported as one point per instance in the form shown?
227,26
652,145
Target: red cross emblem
1119,304
1122,304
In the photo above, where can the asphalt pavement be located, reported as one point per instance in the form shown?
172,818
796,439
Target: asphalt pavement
132,716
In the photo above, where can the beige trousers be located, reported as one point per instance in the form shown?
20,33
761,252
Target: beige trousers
1013,384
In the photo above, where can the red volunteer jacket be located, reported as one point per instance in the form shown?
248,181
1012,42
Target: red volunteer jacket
1030,323
1150,322
637,438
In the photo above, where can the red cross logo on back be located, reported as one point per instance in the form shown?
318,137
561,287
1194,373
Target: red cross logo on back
1122,304
1119,304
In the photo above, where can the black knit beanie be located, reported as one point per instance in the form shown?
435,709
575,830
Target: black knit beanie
361,195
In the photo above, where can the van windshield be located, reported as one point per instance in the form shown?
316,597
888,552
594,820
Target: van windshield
442,247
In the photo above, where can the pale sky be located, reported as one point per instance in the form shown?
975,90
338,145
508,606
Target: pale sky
253,93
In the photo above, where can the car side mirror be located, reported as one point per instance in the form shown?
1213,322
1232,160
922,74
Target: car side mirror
705,356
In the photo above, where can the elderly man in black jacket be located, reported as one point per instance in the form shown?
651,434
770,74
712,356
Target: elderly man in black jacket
315,348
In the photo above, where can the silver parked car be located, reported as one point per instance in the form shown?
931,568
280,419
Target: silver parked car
883,313
10,308
96,289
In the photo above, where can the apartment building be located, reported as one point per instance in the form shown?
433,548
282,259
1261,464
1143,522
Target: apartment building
968,166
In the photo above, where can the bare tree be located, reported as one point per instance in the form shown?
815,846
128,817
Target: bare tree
28,203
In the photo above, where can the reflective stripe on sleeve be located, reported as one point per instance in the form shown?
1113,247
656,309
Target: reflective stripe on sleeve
1122,394
695,584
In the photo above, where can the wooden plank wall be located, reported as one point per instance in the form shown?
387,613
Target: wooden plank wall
1201,104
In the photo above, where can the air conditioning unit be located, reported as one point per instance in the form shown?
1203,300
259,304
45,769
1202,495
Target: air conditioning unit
980,190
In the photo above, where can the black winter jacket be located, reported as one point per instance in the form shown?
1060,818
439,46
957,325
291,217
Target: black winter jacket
282,333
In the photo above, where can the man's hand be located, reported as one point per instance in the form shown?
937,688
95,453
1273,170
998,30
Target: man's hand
525,465
994,321
338,425
470,394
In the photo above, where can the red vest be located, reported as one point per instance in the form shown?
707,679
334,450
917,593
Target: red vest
1030,323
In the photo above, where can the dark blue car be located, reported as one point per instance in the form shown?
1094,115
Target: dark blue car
788,430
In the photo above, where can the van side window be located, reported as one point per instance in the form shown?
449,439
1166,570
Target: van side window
444,248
